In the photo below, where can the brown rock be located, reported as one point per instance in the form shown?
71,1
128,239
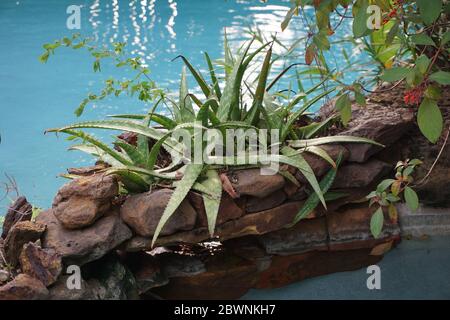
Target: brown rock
229,208
23,287
358,175
250,182
225,277
60,291
260,204
87,171
20,234
176,265
306,235
377,121
285,270
146,271
250,224
42,264
20,210
79,212
84,245
82,201
248,248
142,213
350,228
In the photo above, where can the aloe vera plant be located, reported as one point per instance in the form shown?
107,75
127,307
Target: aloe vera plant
221,106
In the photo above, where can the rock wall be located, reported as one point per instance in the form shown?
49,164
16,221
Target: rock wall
108,236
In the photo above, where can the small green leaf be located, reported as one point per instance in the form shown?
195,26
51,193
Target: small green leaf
422,39
445,38
412,201
441,77
394,74
360,21
383,185
360,99
44,57
422,63
376,223
344,106
429,10
430,120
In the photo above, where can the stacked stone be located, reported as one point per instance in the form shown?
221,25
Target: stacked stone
108,237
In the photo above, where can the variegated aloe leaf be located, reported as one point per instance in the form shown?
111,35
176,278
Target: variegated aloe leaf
185,103
98,153
133,152
160,119
212,73
190,176
230,95
212,203
124,125
292,118
254,112
197,76
105,148
321,153
301,164
313,200
331,139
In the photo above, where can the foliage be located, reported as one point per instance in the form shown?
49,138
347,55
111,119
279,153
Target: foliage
389,192
221,105
410,44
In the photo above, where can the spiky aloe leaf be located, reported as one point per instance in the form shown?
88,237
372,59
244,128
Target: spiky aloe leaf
212,203
320,127
230,96
254,112
301,164
144,172
97,143
198,77
136,157
213,76
235,124
229,59
166,122
132,181
153,156
96,152
280,75
313,200
332,139
185,103
124,125
321,153
298,113
191,175
203,113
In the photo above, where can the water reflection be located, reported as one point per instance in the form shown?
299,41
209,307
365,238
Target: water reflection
159,30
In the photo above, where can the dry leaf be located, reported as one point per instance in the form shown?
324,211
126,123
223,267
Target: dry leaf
381,249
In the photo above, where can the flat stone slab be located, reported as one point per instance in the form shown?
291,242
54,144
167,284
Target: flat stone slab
425,221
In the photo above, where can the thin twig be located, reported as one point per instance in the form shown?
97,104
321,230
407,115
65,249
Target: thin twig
423,181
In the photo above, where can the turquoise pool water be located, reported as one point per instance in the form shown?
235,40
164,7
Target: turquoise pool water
34,96
415,269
